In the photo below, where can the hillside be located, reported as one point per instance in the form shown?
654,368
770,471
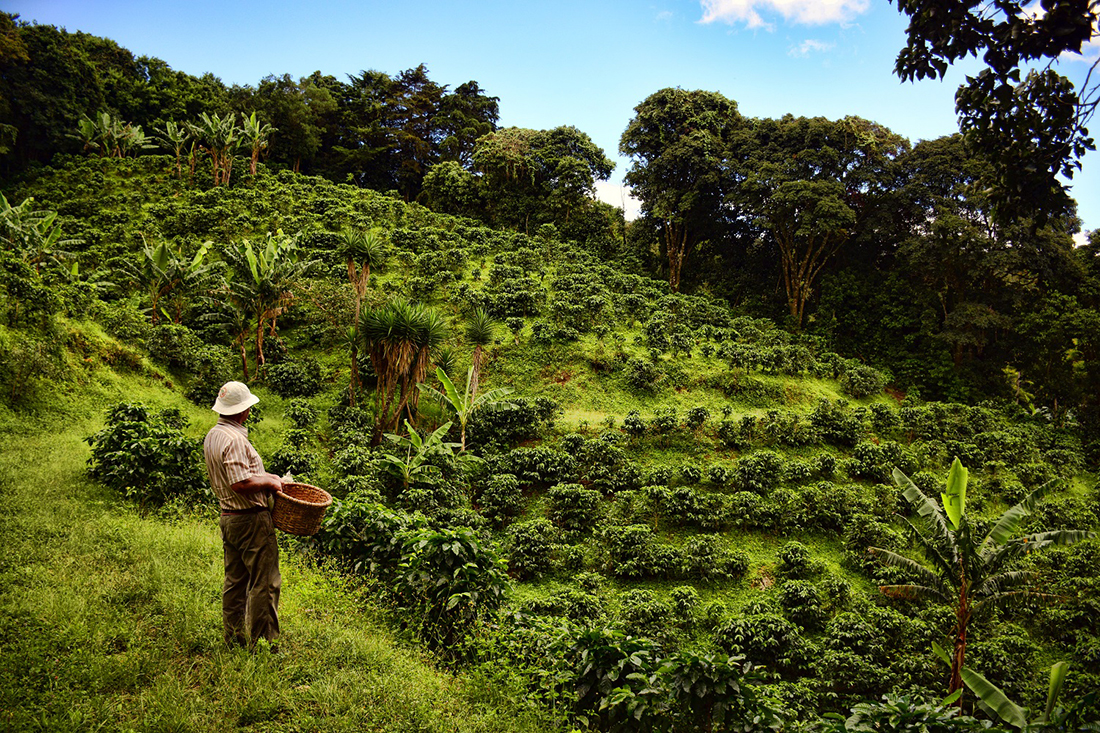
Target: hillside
674,478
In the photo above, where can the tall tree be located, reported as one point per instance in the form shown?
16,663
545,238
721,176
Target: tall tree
679,142
547,174
1031,128
300,112
810,182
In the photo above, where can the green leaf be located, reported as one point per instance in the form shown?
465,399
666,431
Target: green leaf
993,697
1057,677
941,654
954,499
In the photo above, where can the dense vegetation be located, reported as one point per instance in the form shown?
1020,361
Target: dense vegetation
663,495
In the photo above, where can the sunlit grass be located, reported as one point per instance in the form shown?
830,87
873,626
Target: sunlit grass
111,621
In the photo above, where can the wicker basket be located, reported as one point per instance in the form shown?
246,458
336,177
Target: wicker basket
299,509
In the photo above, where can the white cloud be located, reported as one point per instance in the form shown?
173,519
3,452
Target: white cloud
664,15
809,46
805,12
619,196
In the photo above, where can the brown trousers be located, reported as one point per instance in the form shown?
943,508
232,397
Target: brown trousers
250,595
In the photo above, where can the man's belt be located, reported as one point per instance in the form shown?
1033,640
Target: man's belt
251,510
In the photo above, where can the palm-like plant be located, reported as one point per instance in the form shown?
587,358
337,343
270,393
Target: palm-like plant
463,405
34,235
971,574
362,250
480,331
165,274
256,136
261,283
219,137
175,137
414,465
400,339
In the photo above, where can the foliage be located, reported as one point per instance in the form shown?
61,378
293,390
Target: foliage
451,580
531,545
416,466
145,457
465,405
970,574
294,378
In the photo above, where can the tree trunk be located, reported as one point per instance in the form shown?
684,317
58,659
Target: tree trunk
244,359
962,620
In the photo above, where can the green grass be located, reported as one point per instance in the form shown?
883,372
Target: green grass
111,621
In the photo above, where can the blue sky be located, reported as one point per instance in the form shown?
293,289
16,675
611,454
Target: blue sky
569,62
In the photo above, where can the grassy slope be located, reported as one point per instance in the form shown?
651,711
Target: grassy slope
111,621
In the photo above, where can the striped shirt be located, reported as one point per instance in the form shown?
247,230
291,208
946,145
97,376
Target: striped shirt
231,458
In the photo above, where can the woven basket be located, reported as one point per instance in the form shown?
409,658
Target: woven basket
299,509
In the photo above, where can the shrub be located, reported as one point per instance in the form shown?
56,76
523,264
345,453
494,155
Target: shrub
764,638
536,467
501,498
634,425
902,713
703,557
719,475
835,422
146,457
289,459
506,424
573,507
695,417
436,499
633,553
644,614
690,474
300,413
795,560
803,603
785,428
641,375
174,346
664,421
366,535
883,419
530,545
354,461
294,378
760,472
860,380
450,580
684,600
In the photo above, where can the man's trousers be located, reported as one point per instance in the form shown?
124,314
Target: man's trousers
250,595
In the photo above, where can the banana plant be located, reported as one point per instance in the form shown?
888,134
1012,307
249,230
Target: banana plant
165,275
220,138
971,575
464,405
414,466
34,235
175,138
995,702
262,281
255,136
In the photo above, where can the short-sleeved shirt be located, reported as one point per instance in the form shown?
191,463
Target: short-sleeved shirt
230,458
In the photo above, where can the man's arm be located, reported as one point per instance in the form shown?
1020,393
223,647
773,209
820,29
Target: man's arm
266,482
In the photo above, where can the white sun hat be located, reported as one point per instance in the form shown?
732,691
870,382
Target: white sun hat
234,398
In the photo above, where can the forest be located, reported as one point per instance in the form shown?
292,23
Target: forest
811,445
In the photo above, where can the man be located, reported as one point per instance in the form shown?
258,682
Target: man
250,594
